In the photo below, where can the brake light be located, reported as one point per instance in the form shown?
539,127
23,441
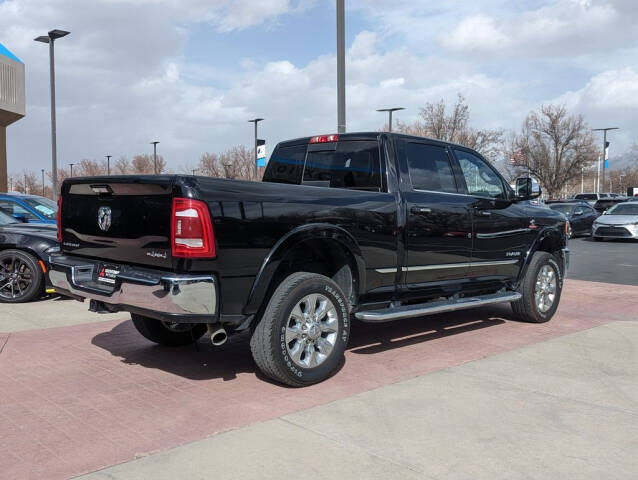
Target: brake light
58,219
192,233
325,138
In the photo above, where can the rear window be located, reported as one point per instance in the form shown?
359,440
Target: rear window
586,196
353,164
286,165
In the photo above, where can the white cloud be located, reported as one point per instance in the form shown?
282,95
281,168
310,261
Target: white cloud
392,82
612,89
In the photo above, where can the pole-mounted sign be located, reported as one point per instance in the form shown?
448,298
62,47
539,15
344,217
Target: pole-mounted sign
261,153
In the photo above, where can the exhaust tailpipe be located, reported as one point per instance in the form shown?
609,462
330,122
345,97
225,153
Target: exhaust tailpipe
217,334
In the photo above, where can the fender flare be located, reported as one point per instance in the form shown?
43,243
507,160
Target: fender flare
278,253
542,235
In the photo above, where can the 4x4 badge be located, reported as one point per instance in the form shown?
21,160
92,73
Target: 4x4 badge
104,218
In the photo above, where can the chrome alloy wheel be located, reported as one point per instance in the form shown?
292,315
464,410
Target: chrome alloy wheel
545,289
311,331
15,278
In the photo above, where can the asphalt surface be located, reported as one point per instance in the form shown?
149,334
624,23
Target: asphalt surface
611,261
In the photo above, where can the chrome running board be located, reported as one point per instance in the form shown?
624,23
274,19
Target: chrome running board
407,311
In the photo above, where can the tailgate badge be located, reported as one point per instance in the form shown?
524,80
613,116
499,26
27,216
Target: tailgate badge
104,218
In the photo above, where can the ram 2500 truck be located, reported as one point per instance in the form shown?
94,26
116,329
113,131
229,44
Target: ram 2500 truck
375,226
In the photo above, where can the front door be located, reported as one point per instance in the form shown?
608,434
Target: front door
439,221
502,230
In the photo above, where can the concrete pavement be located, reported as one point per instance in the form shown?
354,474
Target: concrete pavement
564,408
81,398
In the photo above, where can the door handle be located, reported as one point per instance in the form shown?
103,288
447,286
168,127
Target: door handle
483,213
420,210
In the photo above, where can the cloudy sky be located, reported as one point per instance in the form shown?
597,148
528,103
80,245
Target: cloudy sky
190,73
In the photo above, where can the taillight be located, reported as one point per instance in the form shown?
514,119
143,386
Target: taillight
192,233
58,219
325,138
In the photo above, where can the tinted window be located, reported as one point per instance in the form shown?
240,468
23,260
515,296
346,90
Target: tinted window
430,168
480,179
6,219
16,209
566,209
286,165
624,209
353,164
586,196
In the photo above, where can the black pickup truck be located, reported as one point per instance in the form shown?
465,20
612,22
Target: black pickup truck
376,226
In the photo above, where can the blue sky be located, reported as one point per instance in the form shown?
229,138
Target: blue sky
190,73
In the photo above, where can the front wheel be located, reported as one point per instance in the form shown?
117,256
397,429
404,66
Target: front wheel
540,290
21,277
169,334
302,335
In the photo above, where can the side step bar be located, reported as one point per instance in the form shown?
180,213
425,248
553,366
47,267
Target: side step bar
407,311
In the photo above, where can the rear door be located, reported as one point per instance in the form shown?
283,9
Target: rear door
120,219
439,222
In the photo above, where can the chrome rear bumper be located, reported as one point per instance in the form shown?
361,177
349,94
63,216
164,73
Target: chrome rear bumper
156,294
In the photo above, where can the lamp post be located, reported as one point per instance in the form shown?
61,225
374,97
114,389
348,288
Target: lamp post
604,130
71,165
50,38
155,156
255,121
43,182
621,177
390,110
108,164
341,67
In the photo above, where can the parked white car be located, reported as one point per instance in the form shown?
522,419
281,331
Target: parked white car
620,221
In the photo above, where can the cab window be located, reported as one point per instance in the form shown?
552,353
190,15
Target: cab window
480,179
430,168
17,210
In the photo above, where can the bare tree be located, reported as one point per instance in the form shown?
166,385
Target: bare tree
454,126
554,146
144,164
237,162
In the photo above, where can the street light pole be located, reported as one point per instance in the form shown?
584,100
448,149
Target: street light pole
43,182
108,164
604,130
155,156
255,121
71,164
341,67
390,110
52,36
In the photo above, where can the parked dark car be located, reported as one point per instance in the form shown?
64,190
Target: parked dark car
606,203
581,216
24,252
376,225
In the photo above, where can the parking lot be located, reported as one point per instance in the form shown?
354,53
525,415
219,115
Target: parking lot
85,393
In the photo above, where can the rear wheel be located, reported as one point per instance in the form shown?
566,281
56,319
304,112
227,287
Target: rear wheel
169,334
540,290
21,277
303,333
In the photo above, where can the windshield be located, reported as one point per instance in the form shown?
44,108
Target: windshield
45,207
6,219
624,209
566,209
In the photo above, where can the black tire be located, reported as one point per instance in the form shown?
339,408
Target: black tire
526,308
167,334
29,285
268,342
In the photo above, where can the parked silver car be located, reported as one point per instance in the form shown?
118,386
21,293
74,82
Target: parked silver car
620,221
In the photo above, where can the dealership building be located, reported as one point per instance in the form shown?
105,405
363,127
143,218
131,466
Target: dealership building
12,103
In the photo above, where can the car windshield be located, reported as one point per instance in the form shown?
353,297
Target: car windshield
45,207
566,209
6,219
624,209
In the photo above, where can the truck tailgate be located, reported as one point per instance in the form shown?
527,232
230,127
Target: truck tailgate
121,219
